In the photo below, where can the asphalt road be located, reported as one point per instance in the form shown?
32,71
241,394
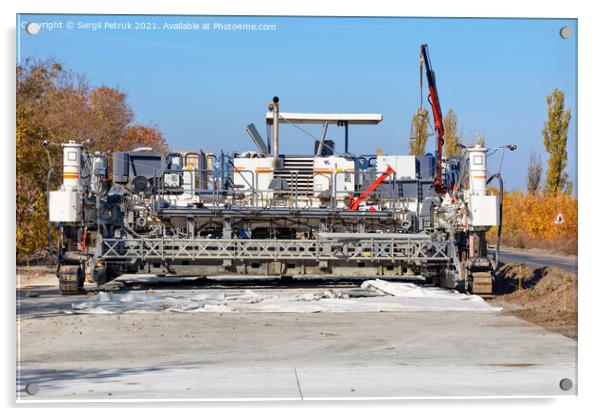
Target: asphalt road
537,260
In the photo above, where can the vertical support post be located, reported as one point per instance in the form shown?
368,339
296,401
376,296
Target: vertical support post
222,167
227,235
361,226
276,132
190,226
323,226
564,290
346,124
227,229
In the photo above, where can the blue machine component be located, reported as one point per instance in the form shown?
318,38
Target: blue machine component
146,164
127,166
427,166
120,167
452,173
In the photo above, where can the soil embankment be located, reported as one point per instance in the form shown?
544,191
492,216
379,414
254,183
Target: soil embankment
546,296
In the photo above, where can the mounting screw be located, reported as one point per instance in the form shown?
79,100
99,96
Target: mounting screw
566,384
32,388
32,28
565,32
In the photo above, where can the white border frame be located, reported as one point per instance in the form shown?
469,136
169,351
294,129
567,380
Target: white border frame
589,149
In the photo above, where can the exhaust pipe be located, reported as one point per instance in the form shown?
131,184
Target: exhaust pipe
276,131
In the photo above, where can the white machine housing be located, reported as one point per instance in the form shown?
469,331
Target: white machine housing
477,160
403,165
64,205
484,208
334,174
255,172
188,181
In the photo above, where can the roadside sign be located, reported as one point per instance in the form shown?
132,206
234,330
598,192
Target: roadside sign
559,218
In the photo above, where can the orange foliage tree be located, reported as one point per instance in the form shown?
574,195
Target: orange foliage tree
57,105
141,136
529,221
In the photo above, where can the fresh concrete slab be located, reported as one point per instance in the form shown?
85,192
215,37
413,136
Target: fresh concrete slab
163,355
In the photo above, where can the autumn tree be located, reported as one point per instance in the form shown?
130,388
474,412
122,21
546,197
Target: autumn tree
534,170
452,141
419,132
35,87
554,138
139,136
55,105
112,115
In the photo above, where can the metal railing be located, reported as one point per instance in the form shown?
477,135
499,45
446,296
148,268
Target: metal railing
219,188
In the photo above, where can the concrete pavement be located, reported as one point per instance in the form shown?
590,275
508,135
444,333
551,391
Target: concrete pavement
211,356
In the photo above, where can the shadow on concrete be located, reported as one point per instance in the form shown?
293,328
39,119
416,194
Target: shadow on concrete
44,302
43,377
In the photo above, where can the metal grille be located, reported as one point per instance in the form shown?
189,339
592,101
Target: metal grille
298,172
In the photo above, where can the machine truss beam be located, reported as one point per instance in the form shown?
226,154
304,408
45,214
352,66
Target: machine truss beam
409,249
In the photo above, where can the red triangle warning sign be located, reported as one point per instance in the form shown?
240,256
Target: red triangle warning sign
559,218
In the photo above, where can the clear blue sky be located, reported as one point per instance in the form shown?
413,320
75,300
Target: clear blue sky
202,87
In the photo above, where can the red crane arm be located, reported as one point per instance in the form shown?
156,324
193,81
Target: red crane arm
436,106
355,202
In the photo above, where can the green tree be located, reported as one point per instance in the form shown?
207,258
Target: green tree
554,138
419,132
534,170
452,141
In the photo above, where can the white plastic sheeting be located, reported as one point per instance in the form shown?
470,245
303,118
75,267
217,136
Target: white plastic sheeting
381,296
410,290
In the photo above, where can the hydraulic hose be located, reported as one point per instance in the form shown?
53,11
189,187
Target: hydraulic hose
498,176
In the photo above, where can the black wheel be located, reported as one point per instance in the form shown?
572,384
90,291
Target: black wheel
71,279
103,275
481,284
100,276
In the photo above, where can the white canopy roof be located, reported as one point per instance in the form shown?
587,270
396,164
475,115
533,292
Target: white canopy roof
317,118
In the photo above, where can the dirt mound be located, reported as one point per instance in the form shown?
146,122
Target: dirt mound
547,287
567,245
545,296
